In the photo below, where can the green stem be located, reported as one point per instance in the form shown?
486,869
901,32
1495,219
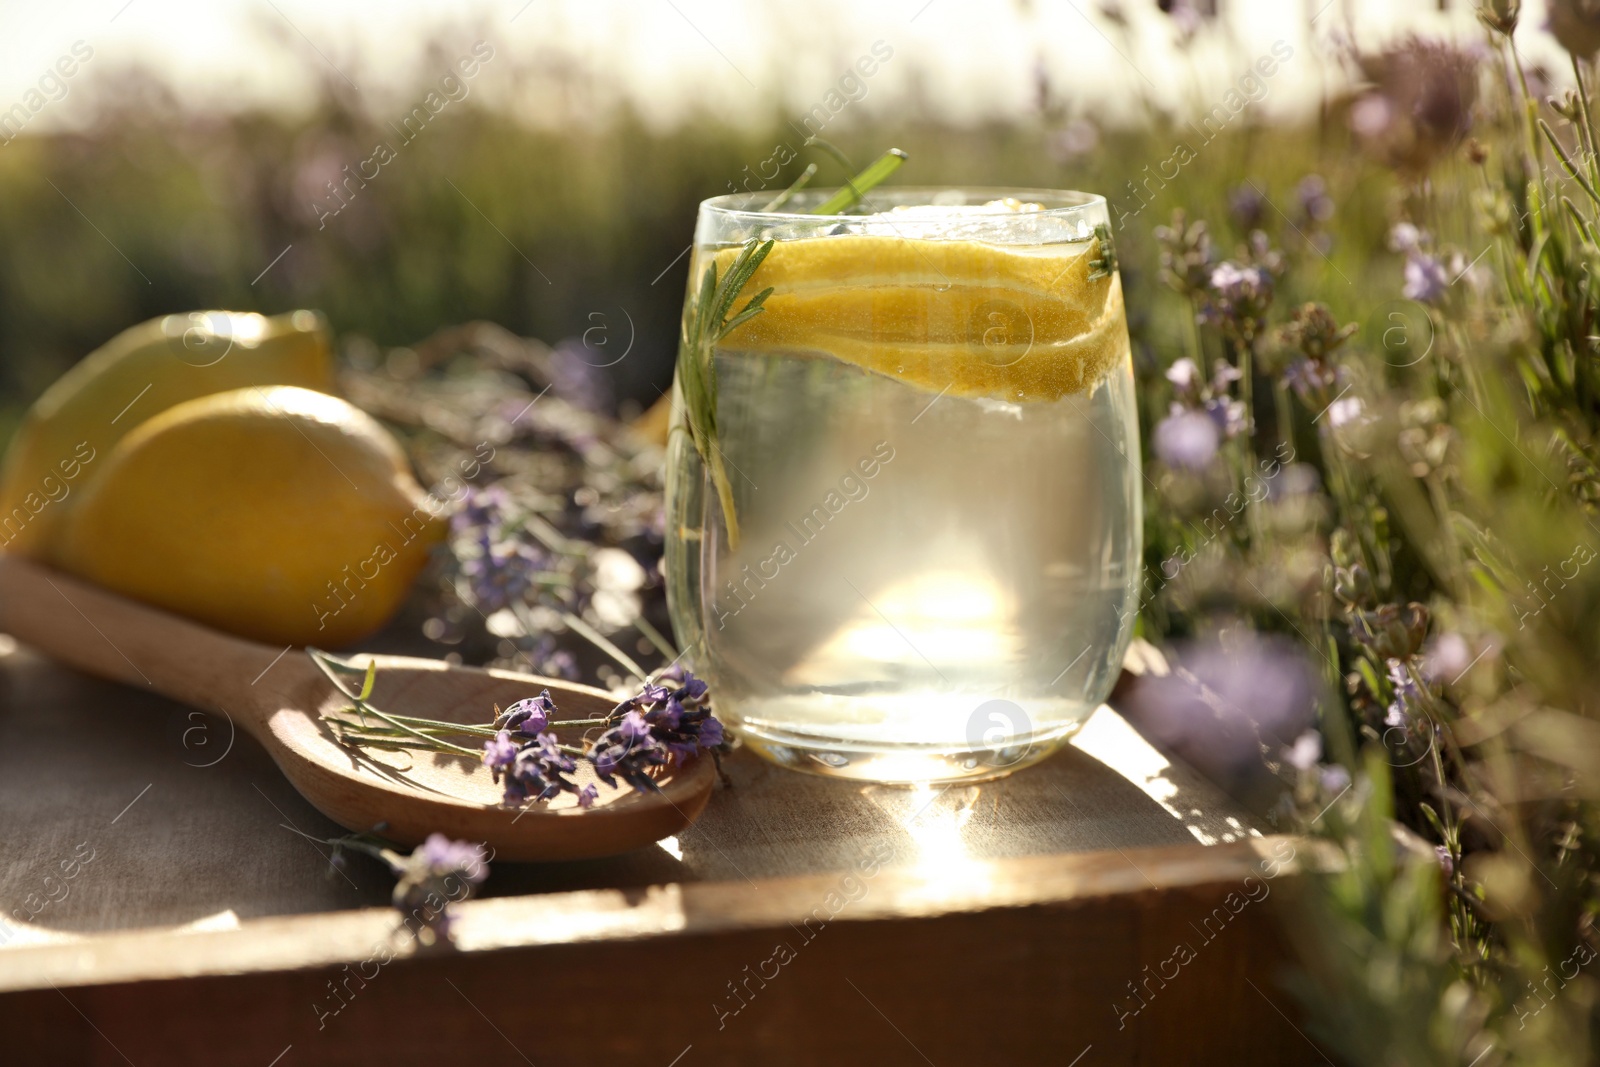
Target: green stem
1586,131
428,728
549,536
600,641
1192,335
1247,394
436,726
1566,163
1284,412
356,843
1530,115
655,637
788,194
856,188
362,707
724,487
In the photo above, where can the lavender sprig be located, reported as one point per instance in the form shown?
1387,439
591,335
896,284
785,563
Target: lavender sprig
670,718
436,874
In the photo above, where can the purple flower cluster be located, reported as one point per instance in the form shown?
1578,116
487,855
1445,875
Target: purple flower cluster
1420,103
1316,335
529,757
1305,756
1202,415
503,573
1223,699
498,567
1237,297
529,716
437,872
658,723
1427,277
1315,203
1407,693
1186,255
482,508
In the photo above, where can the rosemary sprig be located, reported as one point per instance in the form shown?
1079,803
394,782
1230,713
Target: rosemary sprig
706,321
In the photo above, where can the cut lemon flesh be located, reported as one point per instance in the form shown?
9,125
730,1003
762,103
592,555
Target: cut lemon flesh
1019,322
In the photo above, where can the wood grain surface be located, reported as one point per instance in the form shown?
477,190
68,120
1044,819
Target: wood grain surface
1107,904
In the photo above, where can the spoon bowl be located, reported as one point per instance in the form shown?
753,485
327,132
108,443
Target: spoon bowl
280,698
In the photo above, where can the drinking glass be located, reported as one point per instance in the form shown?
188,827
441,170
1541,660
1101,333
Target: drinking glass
903,508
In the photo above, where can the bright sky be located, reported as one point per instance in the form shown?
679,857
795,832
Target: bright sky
975,58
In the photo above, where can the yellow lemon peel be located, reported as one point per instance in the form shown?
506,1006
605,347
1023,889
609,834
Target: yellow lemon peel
1018,323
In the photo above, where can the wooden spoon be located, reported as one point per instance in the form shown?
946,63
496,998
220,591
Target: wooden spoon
278,696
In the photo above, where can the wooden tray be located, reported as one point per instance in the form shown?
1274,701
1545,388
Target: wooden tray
1105,907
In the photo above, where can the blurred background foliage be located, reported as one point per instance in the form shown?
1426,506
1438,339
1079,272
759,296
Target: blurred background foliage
158,206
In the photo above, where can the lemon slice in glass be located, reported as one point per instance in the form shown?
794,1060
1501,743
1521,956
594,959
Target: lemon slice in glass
1016,322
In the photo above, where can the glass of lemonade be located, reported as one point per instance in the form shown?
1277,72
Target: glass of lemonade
927,441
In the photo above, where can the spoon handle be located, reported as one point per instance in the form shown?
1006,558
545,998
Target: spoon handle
111,637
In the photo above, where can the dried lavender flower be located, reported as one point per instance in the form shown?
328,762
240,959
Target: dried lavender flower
438,871
529,716
628,750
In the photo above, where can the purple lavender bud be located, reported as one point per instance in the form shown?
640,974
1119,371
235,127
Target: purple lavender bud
499,753
1223,699
528,716
1406,237
1425,278
440,853
1315,202
694,690
1446,658
710,732
1309,377
1246,206
1237,298
1184,376
650,695
1371,116
1186,439
1335,779
1223,375
438,869
1228,414
1305,752
634,727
